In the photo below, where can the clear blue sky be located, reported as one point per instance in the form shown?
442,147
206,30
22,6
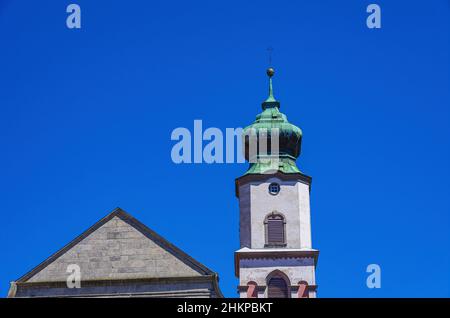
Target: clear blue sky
86,117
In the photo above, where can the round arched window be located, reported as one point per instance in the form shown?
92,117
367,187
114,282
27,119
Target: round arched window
277,288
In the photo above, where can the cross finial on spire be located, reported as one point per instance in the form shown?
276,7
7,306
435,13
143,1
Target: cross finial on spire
270,101
270,50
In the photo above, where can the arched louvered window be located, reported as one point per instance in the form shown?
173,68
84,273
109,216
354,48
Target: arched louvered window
275,230
277,288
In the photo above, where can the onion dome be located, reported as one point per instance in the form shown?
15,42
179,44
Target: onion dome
271,124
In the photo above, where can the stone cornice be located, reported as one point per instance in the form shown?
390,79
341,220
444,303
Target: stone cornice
271,254
125,281
213,279
263,177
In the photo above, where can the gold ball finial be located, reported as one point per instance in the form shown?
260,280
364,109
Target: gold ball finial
270,71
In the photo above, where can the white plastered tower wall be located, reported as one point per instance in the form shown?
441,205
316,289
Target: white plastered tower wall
255,261
292,202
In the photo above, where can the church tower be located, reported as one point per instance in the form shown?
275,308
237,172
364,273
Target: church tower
276,258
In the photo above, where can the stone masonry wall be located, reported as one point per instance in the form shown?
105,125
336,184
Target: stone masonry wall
116,251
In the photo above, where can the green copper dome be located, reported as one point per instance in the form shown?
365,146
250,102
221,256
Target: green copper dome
271,123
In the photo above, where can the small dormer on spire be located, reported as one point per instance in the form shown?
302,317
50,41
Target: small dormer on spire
270,102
